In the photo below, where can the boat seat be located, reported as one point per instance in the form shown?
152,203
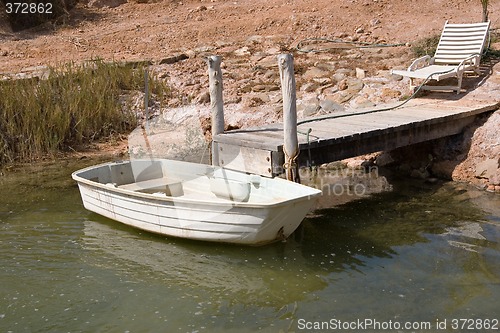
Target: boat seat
230,189
170,187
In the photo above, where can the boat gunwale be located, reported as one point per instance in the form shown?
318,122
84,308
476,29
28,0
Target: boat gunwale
79,179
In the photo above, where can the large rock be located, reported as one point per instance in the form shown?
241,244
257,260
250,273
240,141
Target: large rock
482,164
354,85
341,97
309,107
328,105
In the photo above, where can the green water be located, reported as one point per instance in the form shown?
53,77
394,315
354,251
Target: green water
420,253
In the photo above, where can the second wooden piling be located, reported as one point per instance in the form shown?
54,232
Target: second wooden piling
216,101
291,145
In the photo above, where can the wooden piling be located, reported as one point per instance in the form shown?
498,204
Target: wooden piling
291,146
216,101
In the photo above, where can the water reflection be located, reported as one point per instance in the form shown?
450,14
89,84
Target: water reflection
266,276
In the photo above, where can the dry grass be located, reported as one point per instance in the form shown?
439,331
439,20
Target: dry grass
72,107
426,46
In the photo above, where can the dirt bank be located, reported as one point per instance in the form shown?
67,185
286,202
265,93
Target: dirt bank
176,36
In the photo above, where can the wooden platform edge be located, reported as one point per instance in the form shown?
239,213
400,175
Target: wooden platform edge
247,159
266,157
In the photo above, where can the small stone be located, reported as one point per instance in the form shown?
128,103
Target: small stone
329,90
106,3
253,101
322,80
264,97
330,106
342,96
343,84
255,39
310,110
259,87
384,159
315,72
354,85
270,75
265,87
233,100
360,73
309,87
242,51
326,66
497,188
487,168
346,71
203,98
311,106
395,77
173,59
361,102
388,93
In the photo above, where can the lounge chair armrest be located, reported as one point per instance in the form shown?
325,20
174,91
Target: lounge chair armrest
420,62
470,60
465,64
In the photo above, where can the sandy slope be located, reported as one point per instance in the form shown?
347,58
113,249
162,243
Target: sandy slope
154,30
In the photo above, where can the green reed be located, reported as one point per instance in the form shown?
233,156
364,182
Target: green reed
74,106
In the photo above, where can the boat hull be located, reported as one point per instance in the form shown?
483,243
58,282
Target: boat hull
219,220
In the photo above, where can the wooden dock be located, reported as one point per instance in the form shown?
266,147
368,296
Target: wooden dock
343,135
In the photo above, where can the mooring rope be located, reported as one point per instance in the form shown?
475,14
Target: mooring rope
291,164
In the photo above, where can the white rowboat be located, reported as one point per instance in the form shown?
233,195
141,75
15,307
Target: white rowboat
195,201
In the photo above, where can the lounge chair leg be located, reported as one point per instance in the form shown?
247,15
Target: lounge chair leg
412,86
459,85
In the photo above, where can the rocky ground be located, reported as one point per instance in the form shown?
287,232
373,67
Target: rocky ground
177,36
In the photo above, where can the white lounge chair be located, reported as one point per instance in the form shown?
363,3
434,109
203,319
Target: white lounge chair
458,52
